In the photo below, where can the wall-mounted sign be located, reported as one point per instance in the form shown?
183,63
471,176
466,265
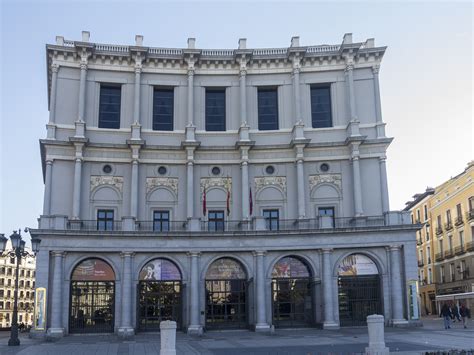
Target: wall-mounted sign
357,264
160,269
290,267
40,309
413,305
93,270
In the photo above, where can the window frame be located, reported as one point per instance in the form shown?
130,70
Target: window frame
109,222
207,124
269,221
217,223
101,122
330,122
260,124
161,221
156,115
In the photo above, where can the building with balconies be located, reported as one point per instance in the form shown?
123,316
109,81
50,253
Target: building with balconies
26,288
221,188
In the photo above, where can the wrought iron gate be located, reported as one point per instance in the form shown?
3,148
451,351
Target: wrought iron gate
359,296
292,302
92,307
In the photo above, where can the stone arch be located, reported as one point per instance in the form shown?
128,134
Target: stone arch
303,258
168,258
160,193
106,193
264,192
236,258
326,191
372,256
80,259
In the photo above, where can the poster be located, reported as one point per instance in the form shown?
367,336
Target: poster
290,267
160,269
93,270
225,269
413,305
40,309
357,264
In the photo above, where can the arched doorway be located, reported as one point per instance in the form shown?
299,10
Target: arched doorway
291,293
159,294
359,290
92,305
226,295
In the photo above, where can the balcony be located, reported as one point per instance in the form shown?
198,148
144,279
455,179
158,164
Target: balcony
94,225
470,215
162,226
448,254
420,263
458,221
419,242
470,246
439,230
448,225
459,250
439,256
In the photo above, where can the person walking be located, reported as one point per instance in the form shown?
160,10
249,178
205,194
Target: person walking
446,314
464,313
455,312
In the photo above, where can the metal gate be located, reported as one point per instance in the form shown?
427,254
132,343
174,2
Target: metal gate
359,296
292,302
92,307
159,301
226,304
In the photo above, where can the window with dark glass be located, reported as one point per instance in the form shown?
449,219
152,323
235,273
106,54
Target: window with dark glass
163,101
161,221
448,216
109,108
426,212
105,220
267,109
272,218
459,210
215,221
321,107
215,109
326,212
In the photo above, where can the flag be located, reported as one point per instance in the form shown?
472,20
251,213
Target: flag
228,197
250,201
204,208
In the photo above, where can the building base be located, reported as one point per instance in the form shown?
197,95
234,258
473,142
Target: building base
54,333
330,325
37,334
377,351
126,332
399,323
195,330
262,328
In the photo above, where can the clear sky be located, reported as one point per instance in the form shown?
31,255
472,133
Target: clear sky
426,75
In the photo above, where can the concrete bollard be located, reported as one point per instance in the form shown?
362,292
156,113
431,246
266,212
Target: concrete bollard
168,337
375,324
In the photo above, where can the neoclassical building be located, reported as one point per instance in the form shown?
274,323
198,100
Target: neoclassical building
221,188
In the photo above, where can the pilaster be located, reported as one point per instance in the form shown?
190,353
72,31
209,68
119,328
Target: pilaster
56,329
47,187
328,297
357,188
397,288
126,330
195,326
261,325
76,199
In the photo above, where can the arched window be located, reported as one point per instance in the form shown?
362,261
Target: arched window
225,268
160,269
290,267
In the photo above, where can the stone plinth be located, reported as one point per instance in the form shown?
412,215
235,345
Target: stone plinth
375,324
168,338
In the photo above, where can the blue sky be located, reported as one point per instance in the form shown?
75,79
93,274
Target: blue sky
426,75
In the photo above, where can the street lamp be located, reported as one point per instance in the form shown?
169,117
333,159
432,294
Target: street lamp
18,245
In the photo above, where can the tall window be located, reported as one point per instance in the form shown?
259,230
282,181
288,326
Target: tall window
427,228
428,254
451,270
109,108
163,99
425,208
439,221
441,246
326,212
462,269
215,109
450,241
272,219
161,221
461,238
448,216
458,211
321,106
422,276
215,221
105,220
418,218
471,203
267,109
430,275
421,256
442,275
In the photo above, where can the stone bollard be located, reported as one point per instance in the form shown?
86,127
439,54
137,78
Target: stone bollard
375,324
168,337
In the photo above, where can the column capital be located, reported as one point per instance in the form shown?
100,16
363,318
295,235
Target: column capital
327,250
243,71
54,67
395,247
127,254
191,71
138,68
259,252
58,253
382,159
193,254
49,161
83,65
376,69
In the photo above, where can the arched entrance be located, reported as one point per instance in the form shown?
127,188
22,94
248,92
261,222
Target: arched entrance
359,290
291,293
159,295
226,295
92,305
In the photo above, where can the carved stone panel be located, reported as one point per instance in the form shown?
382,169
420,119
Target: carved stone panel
261,182
223,182
154,182
115,181
334,179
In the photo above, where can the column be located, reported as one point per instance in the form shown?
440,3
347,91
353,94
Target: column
397,291
195,326
262,324
82,89
136,103
243,96
190,189
384,184
296,92
126,329
134,189
47,188
56,329
358,211
301,188
76,198
350,89
327,291
191,94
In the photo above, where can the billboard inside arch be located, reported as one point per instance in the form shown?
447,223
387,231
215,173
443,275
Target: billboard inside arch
356,265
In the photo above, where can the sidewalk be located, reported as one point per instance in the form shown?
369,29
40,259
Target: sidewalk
430,337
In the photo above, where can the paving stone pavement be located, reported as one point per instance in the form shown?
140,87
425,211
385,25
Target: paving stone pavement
312,341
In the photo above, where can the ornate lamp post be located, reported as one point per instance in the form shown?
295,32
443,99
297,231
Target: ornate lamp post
18,245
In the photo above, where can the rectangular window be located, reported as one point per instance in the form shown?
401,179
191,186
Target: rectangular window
458,211
109,107
215,221
418,218
430,276
425,208
441,246
267,109
272,219
462,269
427,233
471,203
161,221
105,220
439,221
422,276
321,116
428,254
12,260
448,216
451,270
421,256
163,101
441,274
215,110
450,242
327,212
461,238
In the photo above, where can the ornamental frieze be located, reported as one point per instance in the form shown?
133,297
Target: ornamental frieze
154,182
261,182
115,181
223,182
334,179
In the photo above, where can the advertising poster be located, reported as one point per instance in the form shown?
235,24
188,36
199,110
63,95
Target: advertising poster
413,304
357,264
40,309
93,270
160,269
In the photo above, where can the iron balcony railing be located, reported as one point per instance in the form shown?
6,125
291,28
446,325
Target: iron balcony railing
439,230
225,226
91,225
458,220
421,263
449,254
459,250
470,215
419,242
448,225
439,256
161,226
470,246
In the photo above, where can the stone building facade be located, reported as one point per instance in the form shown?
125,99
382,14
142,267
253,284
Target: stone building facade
222,188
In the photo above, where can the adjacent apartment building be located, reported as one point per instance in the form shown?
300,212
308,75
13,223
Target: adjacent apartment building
445,245
221,188
26,290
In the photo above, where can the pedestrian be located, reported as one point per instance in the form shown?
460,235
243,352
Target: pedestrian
456,315
464,313
446,314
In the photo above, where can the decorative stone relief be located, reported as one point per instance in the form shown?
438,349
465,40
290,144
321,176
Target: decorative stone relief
154,182
261,182
334,179
223,182
115,181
